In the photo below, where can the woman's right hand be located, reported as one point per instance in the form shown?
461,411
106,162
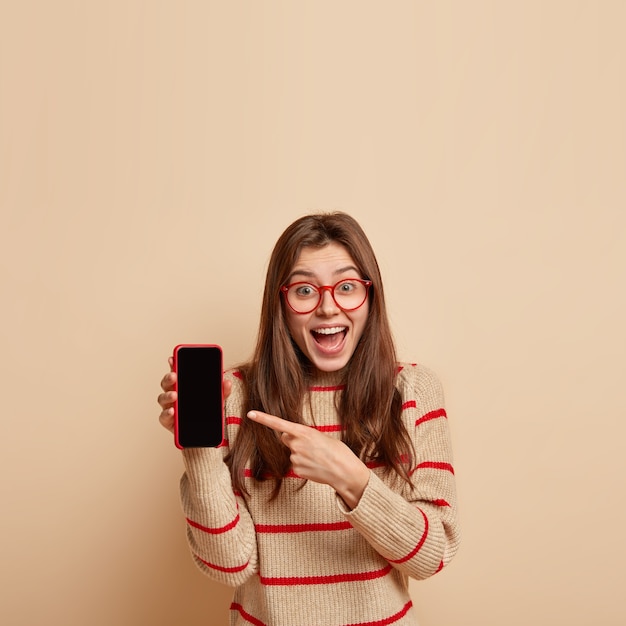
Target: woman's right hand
167,399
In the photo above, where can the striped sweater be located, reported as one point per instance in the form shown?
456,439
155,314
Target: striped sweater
304,559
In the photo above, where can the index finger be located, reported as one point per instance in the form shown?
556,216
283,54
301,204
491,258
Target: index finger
275,423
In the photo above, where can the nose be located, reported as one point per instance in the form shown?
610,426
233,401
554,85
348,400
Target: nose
327,305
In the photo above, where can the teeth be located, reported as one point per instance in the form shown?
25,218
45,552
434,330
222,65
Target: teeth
330,331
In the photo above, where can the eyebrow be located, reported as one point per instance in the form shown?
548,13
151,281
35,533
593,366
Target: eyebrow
309,274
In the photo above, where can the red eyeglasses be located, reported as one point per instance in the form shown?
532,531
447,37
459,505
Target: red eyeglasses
349,294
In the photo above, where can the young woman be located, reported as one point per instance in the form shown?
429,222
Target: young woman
334,483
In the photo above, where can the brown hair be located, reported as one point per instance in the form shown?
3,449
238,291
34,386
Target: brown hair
276,377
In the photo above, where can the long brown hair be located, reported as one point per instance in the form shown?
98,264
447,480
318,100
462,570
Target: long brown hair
276,378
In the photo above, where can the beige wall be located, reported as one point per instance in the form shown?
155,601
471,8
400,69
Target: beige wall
151,153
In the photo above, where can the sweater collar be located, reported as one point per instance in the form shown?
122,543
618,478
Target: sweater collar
328,379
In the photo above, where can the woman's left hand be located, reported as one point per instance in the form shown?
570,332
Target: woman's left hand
320,458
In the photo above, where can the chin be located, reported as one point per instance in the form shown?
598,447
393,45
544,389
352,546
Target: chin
329,364
330,367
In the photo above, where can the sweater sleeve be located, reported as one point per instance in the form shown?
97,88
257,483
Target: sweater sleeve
416,529
220,530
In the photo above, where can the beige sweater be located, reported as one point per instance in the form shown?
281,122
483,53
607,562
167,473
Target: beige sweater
304,559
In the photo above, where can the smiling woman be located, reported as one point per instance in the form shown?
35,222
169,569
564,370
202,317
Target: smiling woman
336,466
326,331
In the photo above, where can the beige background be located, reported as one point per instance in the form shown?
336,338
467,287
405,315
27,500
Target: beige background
152,152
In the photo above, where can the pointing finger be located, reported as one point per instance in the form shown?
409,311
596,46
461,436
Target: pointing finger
275,423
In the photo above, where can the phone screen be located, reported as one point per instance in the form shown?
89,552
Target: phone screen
199,409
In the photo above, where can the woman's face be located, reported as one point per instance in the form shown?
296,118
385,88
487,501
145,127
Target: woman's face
328,335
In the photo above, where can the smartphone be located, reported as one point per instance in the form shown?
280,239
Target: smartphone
199,408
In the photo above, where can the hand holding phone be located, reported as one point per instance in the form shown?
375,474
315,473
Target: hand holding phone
199,406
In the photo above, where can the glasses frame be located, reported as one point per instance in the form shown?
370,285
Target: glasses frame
320,291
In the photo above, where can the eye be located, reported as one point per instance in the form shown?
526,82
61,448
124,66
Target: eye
305,291
347,286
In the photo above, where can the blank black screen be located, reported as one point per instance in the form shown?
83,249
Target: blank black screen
200,408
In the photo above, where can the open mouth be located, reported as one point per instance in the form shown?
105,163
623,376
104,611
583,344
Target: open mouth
330,338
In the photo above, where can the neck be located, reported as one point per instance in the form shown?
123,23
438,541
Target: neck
335,377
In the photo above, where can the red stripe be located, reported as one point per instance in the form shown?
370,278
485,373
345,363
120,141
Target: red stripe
440,502
387,620
374,464
302,528
253,620
431,416
221,568
332,428
418,547
380,622
324,580
331,388
214,531
435,465
290,474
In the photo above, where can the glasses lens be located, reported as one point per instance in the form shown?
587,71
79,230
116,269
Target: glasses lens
303,297
350,294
